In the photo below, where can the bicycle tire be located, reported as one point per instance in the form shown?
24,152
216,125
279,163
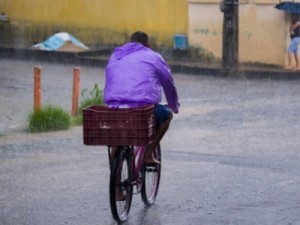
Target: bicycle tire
121,179
151,179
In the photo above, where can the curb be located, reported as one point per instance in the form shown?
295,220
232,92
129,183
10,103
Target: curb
100,57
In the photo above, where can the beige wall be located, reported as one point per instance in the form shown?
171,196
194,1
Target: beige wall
263,30
205,27
262,34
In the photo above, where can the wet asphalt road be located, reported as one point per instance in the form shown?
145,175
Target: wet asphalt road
230,157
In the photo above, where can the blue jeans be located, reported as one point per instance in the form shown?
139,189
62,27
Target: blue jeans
162,113
294,45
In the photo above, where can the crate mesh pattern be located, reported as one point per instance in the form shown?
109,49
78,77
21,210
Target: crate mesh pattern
115,127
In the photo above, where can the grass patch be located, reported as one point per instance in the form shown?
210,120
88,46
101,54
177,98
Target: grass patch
49,118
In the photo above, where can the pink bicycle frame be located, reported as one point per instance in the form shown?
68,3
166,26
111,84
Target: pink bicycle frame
138,152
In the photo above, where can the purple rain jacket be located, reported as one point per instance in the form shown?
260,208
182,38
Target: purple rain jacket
135,76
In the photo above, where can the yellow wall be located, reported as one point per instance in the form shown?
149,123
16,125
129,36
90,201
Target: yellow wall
263,30
95,22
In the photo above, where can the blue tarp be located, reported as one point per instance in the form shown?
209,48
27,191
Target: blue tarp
55,42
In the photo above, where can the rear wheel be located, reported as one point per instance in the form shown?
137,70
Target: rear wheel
151,179
120,185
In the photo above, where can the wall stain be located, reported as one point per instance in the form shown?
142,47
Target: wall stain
206,31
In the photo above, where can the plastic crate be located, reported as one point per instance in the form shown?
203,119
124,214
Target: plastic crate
116,127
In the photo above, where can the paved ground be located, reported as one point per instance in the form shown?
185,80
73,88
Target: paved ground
231,155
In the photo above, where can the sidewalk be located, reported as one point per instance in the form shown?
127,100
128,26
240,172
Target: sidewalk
100,57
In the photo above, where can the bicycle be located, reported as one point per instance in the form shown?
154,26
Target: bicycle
128,132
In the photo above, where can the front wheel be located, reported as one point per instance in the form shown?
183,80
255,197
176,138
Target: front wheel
151,178
120,185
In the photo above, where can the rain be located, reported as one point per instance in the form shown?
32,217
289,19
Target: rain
230,155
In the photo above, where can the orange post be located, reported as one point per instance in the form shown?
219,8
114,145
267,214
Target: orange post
76,81
37,88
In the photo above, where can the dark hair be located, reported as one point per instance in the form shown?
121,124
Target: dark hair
140,37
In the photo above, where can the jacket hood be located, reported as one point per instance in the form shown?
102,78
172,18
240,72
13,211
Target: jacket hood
127,49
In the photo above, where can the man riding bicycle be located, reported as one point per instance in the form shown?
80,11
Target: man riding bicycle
135,76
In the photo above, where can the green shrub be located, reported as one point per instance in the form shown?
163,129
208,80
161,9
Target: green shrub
48,118
94,97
